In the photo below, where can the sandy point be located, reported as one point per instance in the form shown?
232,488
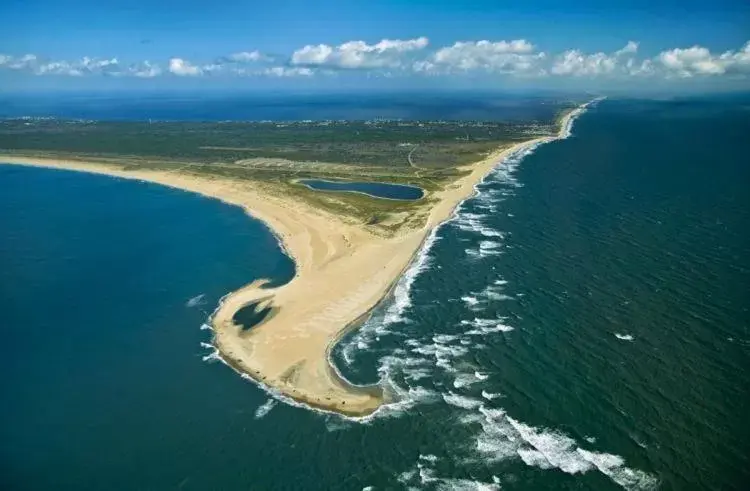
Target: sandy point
342,271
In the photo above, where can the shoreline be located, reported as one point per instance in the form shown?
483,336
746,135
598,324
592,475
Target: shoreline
336,282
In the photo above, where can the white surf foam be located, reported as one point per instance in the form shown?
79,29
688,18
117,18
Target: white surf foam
402,291
614,467
549,449
624,337
490,396
486,248
503,172
424,474
466,485
196,301
213,355
481,376
461,401
265,408
464,380
503,437
469,300
482,327
494,292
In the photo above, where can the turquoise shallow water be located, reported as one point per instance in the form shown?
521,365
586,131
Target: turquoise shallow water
581,324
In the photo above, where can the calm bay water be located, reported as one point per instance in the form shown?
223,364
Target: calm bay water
581,324
375,189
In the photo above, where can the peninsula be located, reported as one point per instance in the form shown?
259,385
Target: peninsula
347,255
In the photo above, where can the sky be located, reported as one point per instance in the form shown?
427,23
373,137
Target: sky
588,45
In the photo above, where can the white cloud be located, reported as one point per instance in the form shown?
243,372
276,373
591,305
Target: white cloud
516,57
93,65
77,68
578,64
388,53
84,66
697,60
574,62
23,63
391,58
144,70
59,68
247,57
183,68
630,48
283,71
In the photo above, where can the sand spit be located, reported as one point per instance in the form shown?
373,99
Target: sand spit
342,272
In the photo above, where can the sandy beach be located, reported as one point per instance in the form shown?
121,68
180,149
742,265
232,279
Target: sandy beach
342,272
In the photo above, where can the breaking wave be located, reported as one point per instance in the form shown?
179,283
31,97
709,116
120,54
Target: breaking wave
196,301
265,408
440,368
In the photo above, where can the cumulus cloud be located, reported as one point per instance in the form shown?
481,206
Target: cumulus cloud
697,60
630,48
58,68
145,69
395,57
84,66
388,53
578,64
516,57
24,62
283,71
184,68
247,57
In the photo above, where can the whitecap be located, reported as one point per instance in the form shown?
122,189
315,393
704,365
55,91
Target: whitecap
265,408
463,402
464,380
196,301
624,337
213,355
402,291
469,300
444,338
466,485
494,292
486,326
489,396
613,466
549,449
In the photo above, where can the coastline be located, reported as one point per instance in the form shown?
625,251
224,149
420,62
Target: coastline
337,281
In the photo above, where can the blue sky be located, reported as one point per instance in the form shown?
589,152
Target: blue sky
595,45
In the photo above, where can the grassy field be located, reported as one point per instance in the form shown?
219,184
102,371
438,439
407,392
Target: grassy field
428,154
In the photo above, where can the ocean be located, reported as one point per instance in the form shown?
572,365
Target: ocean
581,323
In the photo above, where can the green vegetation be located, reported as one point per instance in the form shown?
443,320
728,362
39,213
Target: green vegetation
274,155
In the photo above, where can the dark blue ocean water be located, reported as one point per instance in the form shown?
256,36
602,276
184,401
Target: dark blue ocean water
582,324
239,106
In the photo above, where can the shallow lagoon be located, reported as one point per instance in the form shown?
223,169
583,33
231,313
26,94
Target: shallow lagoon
374,189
